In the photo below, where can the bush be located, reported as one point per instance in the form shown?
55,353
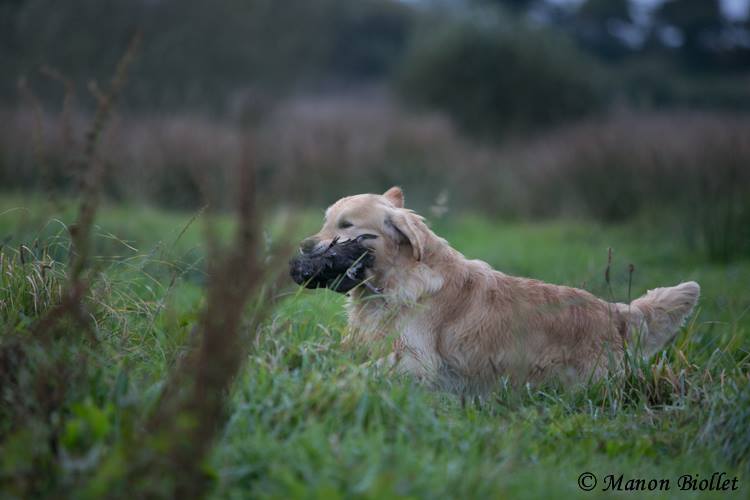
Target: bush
655,84
198,54
310,151
494,79
688,169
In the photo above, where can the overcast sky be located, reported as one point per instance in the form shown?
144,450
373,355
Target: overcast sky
732,8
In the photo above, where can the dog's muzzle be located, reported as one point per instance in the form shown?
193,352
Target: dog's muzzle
340,266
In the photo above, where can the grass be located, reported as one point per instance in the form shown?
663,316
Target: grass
690,166
307,421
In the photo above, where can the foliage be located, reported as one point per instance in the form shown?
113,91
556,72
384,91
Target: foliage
235,58
46,364
699,22
695,179
688,167
307,420
213,56
494,77
596,24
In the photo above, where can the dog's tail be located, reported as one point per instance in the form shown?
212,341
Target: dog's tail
659,314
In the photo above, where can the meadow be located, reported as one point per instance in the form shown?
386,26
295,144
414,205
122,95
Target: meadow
305,418
153,346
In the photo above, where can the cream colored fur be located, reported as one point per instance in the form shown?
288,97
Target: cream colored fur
459,324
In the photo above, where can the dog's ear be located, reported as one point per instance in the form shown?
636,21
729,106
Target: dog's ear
395,196
401,221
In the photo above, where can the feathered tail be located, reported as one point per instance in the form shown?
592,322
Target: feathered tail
660,313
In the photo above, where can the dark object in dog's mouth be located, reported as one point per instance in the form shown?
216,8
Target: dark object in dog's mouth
339,267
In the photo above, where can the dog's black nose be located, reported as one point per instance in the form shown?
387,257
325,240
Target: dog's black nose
308,245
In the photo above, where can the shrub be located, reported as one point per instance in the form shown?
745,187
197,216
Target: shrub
685,171
493,78
201,55
688,168
655,84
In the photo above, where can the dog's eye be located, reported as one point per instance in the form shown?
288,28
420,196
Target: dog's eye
345,224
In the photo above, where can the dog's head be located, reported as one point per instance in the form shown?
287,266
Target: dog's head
396,237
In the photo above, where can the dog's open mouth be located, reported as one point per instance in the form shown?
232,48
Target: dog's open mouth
339,267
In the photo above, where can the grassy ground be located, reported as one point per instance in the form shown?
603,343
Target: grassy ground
307,421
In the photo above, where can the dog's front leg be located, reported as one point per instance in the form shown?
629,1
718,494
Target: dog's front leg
386,363
402,361
390,362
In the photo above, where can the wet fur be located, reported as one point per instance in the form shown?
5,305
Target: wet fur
461,325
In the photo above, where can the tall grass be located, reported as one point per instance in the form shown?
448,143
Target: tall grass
303,417
686,170
105,387
689,169
45,360
59,398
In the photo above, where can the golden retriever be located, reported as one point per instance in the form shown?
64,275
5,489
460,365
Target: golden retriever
459,324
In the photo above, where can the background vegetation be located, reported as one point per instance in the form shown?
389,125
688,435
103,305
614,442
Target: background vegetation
150,343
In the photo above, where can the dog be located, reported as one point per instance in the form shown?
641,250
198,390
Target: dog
458,324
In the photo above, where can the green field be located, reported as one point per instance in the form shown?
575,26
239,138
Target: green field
307,420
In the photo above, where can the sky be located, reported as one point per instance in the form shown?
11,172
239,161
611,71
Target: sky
734,9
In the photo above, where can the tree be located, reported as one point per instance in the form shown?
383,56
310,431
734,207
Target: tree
198,53
699,22
601,26
514,5
500,79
